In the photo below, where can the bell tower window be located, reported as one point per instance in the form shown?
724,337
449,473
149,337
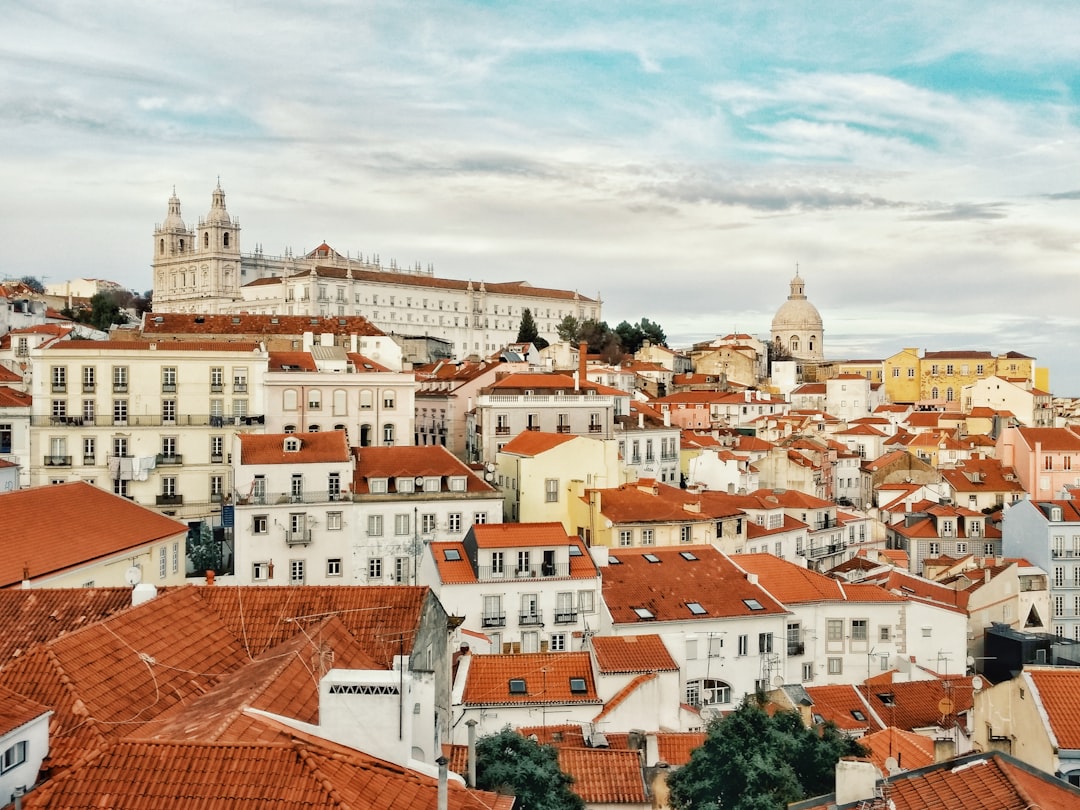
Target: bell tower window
161,247
225,237
206,240
181,245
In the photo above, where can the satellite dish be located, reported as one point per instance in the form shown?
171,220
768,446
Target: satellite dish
778,681
892,766
133,576
419,481
977,683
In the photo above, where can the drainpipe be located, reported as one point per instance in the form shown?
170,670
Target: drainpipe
472,752
443,792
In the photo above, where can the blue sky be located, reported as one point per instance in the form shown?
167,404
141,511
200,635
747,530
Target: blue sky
919,161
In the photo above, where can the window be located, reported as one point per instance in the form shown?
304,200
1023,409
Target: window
375,525
296,572
163,562
217,379
626,537
168,486
388,400
685,534
646,537
765,642
401,570
88,375
497,563
333,521
13,756
333,567
314,400
120,379
59,379
388,435
259,524
427,523
120,411
217,488
453,522
859,630
835,630
89,449
401,524
296,488
808,671
744,645
239,380
884,633
836,666
5,437
374,568
168,379
557,643
175,557
551,490
480,517
586,602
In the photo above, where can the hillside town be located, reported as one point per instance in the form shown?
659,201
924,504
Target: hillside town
307,527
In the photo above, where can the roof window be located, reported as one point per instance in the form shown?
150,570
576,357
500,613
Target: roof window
689,556
858,715
575,551
696,608
651,558
452,555
577,686
753,604
887,698
644,613
613,560
517,686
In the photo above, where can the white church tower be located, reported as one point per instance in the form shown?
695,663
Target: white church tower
197,270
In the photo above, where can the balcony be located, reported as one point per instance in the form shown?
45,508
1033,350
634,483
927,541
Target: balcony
823,551
502,430
532,427
170,500
216,388
119,388
532,618
146,420
565,616
57,461
59,388
301,537
562,428
88,461
168,388
88,388
796,648
307,496
239,388
216,458
171,458
596,428
493,620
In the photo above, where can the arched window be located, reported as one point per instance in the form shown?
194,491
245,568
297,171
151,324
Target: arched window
948,394
340,408
794,343
161,246
290,429
340,427
289,399
365,400
811,343
314,400
388,435
181,245
206,239
312,428
226,238
365,435
934,393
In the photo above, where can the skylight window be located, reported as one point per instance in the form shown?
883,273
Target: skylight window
688,555
517,686
651,558
858,715
452,555
695,608
575,551
577,686
613,560
887,698
644,613
753,604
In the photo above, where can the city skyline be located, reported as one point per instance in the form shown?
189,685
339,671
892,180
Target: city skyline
913,162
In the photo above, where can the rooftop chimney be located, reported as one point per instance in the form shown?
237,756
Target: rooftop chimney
471,724
856,780
583,351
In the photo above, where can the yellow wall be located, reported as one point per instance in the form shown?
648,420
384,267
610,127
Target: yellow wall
899,386
109,572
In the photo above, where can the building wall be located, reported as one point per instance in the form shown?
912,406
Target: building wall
901,376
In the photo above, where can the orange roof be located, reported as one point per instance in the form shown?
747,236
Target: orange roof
915,704
395,462
530,679
312,448
38,615
565,734
17,710
1051,439
675,748
792,584
1058,687
685,583
533,442
304,771
604,776
452,571
11,398
842,704
910,750
111,346
96,523
519,535
7,375
179,323
291,361
644,653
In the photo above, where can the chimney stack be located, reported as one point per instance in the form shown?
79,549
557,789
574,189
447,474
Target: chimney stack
444,794
583,351
471,724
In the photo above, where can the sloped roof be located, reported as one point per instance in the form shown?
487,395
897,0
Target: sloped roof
1058,688
630,503
421,460
97,523
844,705
181,323
669,588
603,775
547,679
675,748
910,750
515,535
534,442
17,710
915,704
162,346
314,448
1051,439
12,398
452,571
37,615
641,653
792,584
623,694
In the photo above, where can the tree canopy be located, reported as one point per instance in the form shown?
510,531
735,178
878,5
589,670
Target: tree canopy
753,761
509,763
633,335
34,283
610,344
528,331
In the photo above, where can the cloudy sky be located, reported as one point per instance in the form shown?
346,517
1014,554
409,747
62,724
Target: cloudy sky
919,162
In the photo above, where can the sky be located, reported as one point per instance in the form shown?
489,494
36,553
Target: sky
919,162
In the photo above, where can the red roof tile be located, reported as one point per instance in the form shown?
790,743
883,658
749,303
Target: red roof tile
1051,439
97,523
395,462
533,442
179,323
546,679
17,710
1058,688
844,705
637,590
675,748
452,571
604,776
11,398
643,653
910,750
323,447
113,346
623,694
37,615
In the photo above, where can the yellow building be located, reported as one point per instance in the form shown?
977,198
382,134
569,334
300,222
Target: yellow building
873,370
943,375
900,374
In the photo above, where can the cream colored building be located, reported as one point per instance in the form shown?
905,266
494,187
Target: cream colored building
1032,407
797,327
202,269
149,421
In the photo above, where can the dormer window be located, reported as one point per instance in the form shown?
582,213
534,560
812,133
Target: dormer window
457,483
377,485
404,484
292,444
432,483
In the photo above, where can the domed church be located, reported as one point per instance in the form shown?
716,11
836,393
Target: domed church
796,327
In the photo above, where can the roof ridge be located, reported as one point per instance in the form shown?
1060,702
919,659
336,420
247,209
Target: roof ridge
624,693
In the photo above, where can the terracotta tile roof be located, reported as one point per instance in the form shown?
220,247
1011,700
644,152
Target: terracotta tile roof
427,461
1051,439
278,681
180,323
660,503
519,535
675,748
7,375
792,499
291,361
604,776
452,571
566,734
643,653
533,442
98,523
111,346
844,705
106,679
10,398
17,710
792,584
323,447
549,678
38,615
623,694
961,353
637,590
1057,689
910,750
303,772
376,615
916,704
365,364
547,382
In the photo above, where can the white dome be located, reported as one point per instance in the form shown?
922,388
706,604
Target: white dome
797,324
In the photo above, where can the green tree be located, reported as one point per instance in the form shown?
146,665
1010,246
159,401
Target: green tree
34,283
630,336
751,761
568,328
203,551
511,764
104,311
652,332
528,332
